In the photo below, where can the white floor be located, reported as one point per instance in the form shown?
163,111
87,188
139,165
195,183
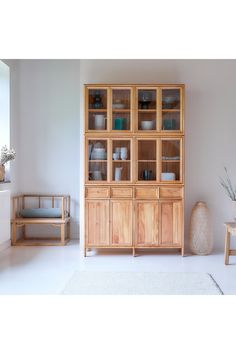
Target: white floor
46,270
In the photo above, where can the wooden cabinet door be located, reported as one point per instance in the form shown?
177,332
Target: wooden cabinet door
146,233
97,222
171,223
121,222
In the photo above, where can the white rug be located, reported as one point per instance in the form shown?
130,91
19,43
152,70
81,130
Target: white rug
141,283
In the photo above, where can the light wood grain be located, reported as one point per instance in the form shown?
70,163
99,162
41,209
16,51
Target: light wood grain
171,192
146,192
124,192
97,192
121,222
97,222
146,223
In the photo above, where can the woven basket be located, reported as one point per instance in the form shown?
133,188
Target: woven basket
201,238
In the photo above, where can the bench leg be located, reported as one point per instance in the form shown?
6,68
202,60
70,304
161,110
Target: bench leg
227,246
13,239
23,232
68,230
63,234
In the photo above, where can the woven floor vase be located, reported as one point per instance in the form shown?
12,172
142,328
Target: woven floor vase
201,238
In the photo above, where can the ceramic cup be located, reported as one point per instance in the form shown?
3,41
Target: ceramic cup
118,171
115,156
99,121
117,150
123,153
120,123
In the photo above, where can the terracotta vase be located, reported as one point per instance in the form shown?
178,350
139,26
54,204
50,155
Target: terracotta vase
201,238
2,173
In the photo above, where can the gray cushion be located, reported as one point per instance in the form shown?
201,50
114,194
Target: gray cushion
41,213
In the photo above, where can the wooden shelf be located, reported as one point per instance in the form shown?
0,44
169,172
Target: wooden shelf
147,110
97,160
171,110
97,110
147,160
121,110
163,160
121,161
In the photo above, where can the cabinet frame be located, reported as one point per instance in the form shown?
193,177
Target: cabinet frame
126,190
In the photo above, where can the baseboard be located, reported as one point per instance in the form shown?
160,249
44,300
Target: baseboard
4,245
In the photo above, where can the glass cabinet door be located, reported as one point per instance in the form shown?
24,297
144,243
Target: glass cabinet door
121,160
97,109
121,109
171,162
171,113
147,157
97,159
147,109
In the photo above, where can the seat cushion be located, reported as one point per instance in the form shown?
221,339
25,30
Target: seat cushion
41,213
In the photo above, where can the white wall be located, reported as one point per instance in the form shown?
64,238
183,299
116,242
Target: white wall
13,141
50,121
49,129
210,121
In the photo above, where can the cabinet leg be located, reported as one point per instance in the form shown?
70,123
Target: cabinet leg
63,234
182,251
85,252
133,252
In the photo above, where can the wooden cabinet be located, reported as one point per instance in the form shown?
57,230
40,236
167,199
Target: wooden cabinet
97,222
170,223
147,223
134,166
121,214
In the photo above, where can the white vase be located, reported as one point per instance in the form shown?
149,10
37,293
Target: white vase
118,171
123,153
99,121
234,208
201,238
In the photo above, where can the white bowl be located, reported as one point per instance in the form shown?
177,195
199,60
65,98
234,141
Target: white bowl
118,105
168,176
147,124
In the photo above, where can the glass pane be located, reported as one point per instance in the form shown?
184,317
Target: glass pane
97,99
120,120
170,120
171,99
146,120
146,160
97,155
121,155
97,119
170,160
120,99
146,99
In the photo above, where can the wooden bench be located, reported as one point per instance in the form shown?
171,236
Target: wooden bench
25,201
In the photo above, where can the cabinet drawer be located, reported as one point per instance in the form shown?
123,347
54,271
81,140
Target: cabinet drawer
121,192
169,192
146,193
97,192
